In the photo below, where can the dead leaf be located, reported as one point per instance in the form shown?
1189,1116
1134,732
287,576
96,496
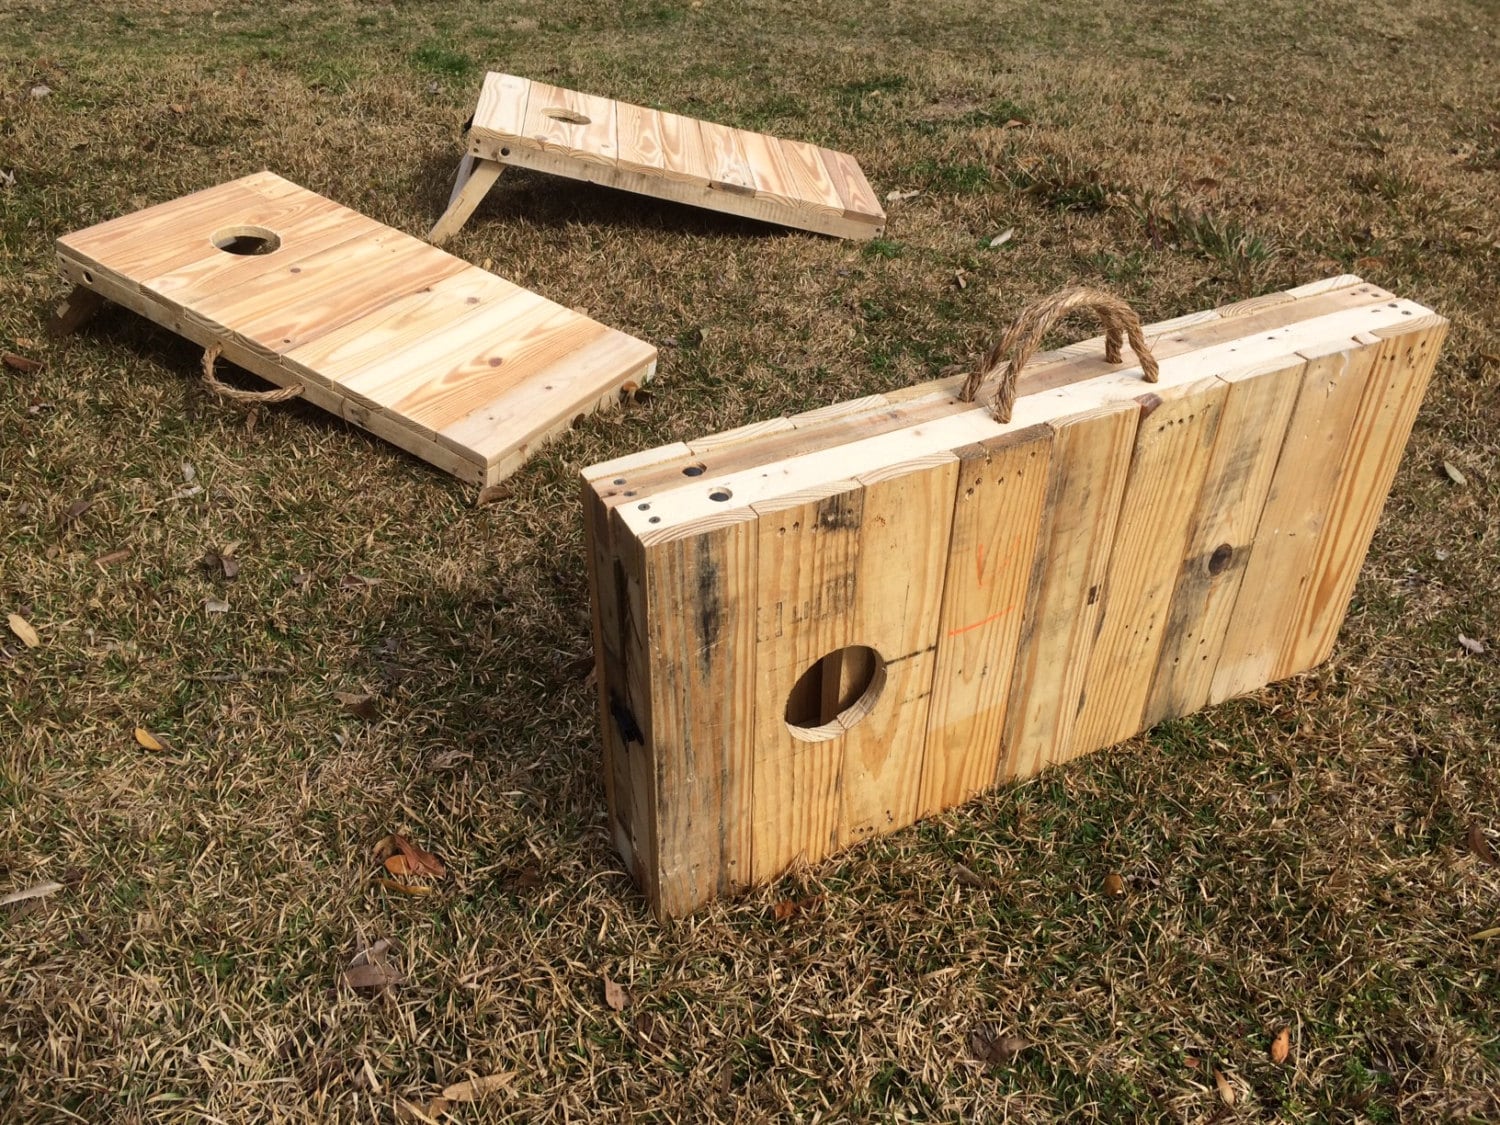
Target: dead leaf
1226,1091
1002,238
1206,183
494,493
1471,646
147,740
178,108
359,705
990,1047
186,492
614,995
215,605
404,888
1015,123
406,1111
21,363
41,90
112,557
1451,471
374,974
1114,886
958,279
75,509
899,196
972,878
357,582
1190,1062
449,759
1485,935
420,862
189,472
783,910
1281,1046
476,1088
22,628
1479,845
40,890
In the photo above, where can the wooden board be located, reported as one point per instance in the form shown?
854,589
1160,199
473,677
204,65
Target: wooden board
563,132
863,615
442,358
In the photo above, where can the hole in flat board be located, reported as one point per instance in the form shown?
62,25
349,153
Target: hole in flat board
838,691
695,470
566,116
720,494
619,480
246,240
505,152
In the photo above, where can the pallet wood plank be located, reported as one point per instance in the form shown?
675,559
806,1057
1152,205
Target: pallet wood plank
501,112
997,514
573,124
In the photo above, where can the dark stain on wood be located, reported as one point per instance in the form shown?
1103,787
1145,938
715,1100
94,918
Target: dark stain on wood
710,601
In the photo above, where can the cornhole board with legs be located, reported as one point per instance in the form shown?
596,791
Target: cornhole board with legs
566,133
823,627
445,360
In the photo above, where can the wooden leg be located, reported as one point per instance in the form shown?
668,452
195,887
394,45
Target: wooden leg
75,311
475,178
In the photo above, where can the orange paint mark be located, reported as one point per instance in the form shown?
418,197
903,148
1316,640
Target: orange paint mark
981,621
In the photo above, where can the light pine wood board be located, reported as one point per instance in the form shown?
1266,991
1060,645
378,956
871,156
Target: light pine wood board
564,132
448,361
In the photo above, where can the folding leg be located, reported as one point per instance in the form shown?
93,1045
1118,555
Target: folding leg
74,312
475,178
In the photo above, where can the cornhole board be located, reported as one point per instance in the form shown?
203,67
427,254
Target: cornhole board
585,137
446,360
820,628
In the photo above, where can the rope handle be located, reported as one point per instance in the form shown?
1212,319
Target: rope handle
1023,337
224,390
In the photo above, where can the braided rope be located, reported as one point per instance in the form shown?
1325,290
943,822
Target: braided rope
224,390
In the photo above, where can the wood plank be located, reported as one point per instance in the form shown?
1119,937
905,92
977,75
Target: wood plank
1251,433
854,190
1090,464
1404,362
1173,446
684,158
640,139
572,124
1286,540
728,167
811,181
501,112
997,515
769,174
700,599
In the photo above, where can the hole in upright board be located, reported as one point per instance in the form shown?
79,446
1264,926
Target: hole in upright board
838,691
566,116
720,494
246,240
695,470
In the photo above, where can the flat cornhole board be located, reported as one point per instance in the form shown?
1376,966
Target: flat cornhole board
566,133
820,628
446,360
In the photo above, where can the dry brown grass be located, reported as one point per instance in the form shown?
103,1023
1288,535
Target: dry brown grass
1295,859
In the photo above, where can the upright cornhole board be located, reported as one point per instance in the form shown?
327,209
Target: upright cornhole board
444,359
619,145
825,627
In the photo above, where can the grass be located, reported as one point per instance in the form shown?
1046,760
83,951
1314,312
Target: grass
1296,859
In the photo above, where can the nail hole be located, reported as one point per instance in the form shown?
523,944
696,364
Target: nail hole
619,480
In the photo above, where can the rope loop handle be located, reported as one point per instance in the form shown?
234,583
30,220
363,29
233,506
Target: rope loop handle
224,390
1023,337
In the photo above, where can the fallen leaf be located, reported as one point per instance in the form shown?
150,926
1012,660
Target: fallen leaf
476,1088
1114,886
1190,1062
76,509
40,890
1015,123
178,108
972,878
1451,470
958,279
1226,1091
449,759
1471,646
189,472
215,605
147,740
899,196
22,628
1206,183
357,582
1281,1046
615,996
230,565
1485,935
990,1047
41,90
1479,845
421,862
404,888
9,180
493,494
186,492
21,363
112,557
1002,238
406,1111
359,705
783,910
372,974
399,866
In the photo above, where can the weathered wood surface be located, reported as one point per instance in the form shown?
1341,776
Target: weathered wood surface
442,358
1118,554
651,152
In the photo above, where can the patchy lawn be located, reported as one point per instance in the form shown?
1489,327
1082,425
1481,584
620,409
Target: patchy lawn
1319,857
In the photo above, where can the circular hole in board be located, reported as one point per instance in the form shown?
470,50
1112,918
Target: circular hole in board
695,470
836,692
246,240
720,494
566,116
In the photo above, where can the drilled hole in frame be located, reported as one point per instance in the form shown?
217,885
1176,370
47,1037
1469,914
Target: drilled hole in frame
838,691
720,494
246,240
567,116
